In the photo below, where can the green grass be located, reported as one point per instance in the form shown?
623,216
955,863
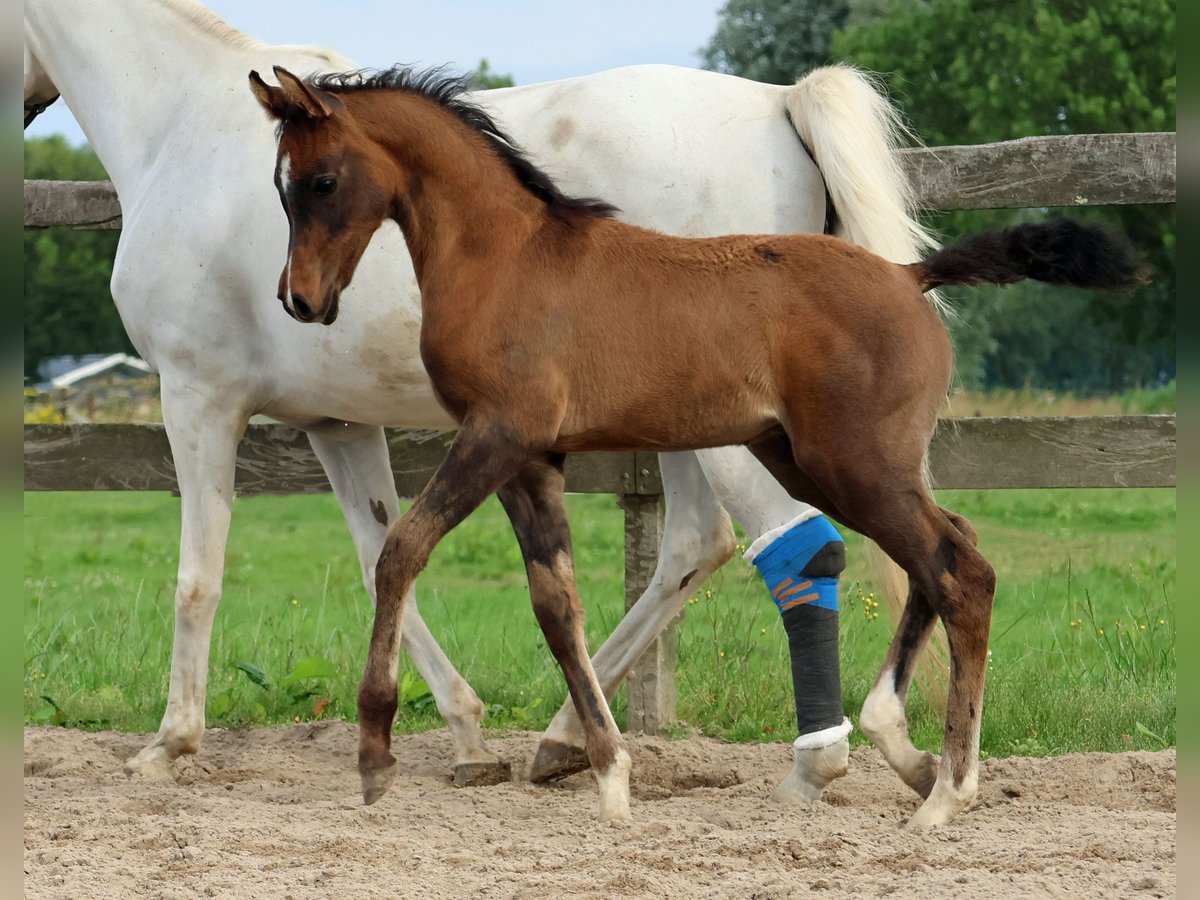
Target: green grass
1072,667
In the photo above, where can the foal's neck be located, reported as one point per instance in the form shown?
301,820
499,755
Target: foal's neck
461,209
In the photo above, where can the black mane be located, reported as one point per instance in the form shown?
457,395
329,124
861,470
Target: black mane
447,90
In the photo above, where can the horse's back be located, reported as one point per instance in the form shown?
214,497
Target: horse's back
685,151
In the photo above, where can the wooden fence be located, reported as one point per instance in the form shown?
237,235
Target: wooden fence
1093,451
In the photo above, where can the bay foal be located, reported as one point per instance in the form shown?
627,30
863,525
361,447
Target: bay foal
550,328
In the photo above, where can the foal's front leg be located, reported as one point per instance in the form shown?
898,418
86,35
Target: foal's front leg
478,462
534,503
355,458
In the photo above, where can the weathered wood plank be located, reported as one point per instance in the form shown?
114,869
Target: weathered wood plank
1059,170
272,459
1056,170
1055,452
651,681
82,204
1084,451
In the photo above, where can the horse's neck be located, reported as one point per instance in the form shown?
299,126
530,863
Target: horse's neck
136,74
469,210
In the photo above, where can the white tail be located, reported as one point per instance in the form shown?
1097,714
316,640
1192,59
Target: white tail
853,131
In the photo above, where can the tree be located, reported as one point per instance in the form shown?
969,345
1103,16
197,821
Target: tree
483,78
970,71
773,40
68,308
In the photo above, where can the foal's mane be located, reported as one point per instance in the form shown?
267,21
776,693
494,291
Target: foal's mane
448,90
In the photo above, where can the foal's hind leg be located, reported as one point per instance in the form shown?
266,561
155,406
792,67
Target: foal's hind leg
479,460
880,491
949,577
534,503
883,719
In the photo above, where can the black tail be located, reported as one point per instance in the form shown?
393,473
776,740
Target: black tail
1063,251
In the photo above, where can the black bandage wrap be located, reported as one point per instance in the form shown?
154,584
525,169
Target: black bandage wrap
816,677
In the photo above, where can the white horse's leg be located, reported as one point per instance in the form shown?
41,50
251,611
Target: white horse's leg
204,432
768,513
697,540
356,460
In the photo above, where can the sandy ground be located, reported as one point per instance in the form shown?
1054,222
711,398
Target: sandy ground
276,813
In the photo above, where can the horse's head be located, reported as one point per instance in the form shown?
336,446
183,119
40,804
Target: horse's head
40,91
327,173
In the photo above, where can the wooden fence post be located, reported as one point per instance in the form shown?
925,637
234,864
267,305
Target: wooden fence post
651,682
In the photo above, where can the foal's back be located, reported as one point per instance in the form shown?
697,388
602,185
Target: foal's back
721,328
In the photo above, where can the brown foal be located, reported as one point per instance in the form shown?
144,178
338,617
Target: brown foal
829,363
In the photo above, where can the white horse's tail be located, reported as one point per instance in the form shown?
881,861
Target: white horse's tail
853,131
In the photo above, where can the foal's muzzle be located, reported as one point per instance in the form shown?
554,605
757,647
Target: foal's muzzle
300,309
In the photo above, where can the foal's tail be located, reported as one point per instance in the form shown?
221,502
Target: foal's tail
1063,251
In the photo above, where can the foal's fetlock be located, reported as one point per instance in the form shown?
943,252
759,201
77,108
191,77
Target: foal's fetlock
613,784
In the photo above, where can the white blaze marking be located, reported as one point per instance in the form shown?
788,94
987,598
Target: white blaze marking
285,180
285,172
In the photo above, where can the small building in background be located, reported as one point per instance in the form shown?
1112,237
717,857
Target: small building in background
95,387
60,372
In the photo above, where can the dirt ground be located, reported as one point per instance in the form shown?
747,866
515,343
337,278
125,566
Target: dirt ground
276,813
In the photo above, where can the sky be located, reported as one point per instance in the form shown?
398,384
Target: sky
533,40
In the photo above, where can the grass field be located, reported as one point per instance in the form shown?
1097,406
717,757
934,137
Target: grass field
1082,641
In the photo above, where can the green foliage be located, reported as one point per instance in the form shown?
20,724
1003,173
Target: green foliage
68,308
969,71
775,41
483,78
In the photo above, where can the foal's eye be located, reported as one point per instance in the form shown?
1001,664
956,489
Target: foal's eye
325,184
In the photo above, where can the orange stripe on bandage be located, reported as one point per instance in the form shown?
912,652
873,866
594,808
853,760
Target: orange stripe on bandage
807,598
802,586
779,587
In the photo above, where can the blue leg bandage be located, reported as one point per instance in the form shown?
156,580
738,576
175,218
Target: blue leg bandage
800,562
801,565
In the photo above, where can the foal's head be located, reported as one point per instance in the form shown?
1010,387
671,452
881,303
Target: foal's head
334,185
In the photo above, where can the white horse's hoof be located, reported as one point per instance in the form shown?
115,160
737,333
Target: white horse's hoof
820,758
812,772
152,763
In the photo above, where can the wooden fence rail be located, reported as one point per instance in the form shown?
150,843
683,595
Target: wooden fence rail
1064,170
1103,451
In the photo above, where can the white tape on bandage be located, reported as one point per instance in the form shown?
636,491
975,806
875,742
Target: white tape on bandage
764,540
826,737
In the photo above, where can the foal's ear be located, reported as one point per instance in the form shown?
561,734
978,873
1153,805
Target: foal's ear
308,101
292,99
272,99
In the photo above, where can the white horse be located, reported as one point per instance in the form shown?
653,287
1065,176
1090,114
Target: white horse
688,152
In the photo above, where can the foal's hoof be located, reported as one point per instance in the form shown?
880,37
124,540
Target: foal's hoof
555,760
375,783
481,774
922,777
